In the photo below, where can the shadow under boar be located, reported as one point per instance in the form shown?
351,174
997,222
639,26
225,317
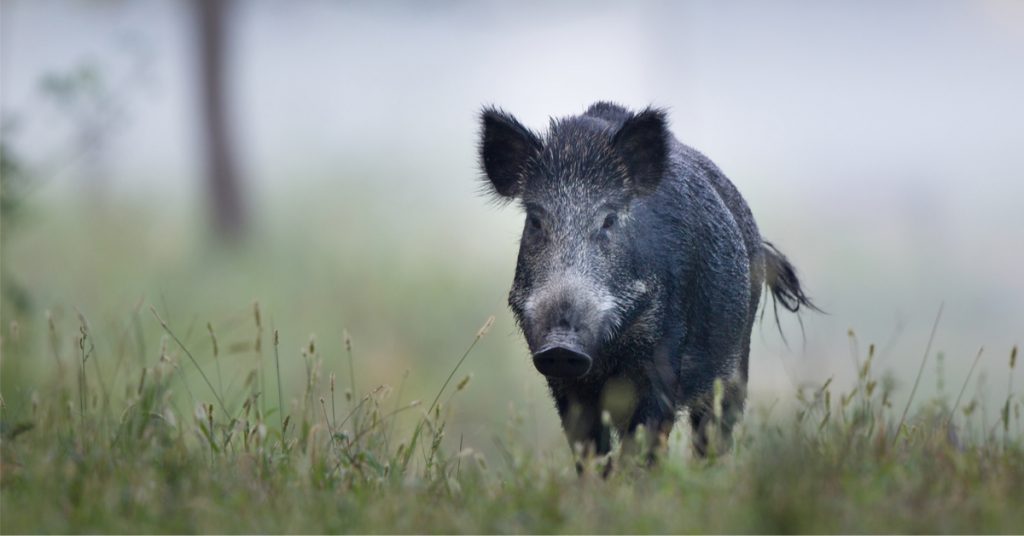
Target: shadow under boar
639,273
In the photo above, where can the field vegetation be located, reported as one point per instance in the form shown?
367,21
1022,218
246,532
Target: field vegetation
155,420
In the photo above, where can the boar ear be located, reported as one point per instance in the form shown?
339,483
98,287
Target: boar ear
643,144
506,146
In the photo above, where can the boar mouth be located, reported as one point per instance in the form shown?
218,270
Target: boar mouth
562,357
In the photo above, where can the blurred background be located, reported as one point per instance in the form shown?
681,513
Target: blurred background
319,158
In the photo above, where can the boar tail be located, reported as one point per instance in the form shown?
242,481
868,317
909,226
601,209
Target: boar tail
780,276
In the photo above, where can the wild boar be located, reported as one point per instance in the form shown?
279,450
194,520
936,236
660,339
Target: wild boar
639,274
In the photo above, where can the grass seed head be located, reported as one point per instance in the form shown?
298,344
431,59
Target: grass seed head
486,327
213,338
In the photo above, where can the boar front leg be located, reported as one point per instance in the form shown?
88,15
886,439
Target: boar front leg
657,420
581,419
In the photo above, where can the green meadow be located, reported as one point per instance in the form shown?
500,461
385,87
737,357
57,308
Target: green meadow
341,372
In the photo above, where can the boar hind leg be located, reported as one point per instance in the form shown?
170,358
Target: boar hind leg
712,433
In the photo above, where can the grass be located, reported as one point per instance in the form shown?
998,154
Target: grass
108,444
167,399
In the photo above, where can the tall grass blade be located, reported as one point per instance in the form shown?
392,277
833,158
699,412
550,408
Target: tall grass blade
181,345
920,372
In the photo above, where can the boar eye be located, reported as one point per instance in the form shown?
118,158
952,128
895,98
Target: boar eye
533,222
610,221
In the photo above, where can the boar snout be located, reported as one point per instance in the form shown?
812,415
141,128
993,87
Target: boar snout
564,321
562,358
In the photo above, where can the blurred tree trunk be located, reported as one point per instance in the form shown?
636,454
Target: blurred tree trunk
224,182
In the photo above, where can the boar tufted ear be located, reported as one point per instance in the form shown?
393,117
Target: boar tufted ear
506,146
643,144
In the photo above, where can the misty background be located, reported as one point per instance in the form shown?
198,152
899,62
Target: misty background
879,145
